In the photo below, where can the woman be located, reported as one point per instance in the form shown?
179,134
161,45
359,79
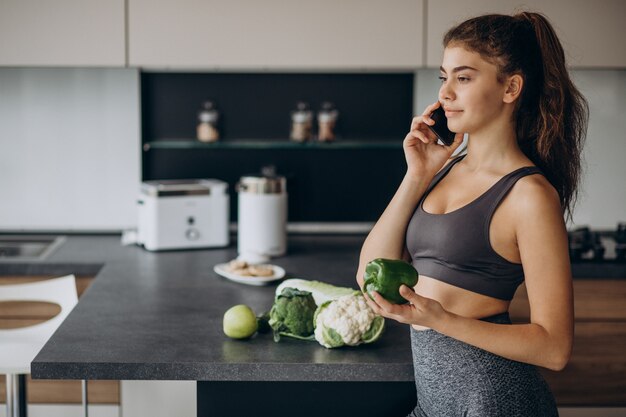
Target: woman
479,224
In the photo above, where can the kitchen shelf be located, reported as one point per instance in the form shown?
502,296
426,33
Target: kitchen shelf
273,144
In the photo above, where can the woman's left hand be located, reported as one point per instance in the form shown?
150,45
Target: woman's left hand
420,310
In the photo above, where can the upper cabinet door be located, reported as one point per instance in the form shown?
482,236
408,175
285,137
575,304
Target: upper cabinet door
592,32
82,33
276,34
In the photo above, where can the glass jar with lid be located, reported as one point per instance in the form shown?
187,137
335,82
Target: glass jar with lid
207,123
327,120
301,123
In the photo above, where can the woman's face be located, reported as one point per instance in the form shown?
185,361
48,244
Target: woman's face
470,92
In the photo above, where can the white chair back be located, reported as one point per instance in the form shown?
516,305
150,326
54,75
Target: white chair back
18,347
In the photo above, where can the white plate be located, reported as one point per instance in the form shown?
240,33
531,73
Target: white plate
222,269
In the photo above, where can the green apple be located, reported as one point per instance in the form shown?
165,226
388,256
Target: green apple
240,322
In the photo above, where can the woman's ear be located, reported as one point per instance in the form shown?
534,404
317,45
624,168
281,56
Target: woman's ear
513,89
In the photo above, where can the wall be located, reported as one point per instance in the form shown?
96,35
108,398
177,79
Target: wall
602,199
69,148
602,202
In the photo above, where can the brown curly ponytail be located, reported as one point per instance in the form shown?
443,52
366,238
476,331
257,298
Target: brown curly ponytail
551,115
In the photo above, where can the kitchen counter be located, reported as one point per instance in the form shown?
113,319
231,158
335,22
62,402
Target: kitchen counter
158,316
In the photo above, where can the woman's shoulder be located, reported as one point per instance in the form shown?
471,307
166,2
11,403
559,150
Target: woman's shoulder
535,194
536,213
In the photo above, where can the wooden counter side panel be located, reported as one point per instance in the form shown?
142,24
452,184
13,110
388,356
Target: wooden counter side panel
594,300
50,391
596,373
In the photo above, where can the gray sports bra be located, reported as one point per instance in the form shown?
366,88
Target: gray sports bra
454,247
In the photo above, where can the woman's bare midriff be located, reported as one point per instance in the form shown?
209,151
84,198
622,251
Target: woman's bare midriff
459,301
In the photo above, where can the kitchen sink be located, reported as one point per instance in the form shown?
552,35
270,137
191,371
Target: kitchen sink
28,247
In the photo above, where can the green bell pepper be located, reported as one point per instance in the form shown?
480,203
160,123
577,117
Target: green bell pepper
385,276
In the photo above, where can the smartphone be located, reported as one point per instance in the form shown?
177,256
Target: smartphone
440,128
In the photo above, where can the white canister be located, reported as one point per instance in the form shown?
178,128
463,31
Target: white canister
262,216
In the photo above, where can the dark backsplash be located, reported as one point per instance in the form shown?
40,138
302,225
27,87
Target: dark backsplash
324,185
258,106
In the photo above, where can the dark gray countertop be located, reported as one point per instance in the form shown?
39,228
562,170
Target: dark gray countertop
158,316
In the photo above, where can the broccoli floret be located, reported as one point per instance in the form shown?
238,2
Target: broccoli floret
292,314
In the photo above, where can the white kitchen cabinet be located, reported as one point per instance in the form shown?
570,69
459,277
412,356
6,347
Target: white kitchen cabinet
276,35
82,33
592,32
158,398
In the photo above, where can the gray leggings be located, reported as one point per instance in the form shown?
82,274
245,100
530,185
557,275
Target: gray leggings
454,379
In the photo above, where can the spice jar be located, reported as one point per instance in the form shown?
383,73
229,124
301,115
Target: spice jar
327,119
301,123
207,123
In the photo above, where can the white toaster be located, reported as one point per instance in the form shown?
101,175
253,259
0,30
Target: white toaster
183,214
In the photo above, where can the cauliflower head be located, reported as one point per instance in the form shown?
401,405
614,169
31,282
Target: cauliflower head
348,320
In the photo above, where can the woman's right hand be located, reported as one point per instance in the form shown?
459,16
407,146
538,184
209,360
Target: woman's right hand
424,156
